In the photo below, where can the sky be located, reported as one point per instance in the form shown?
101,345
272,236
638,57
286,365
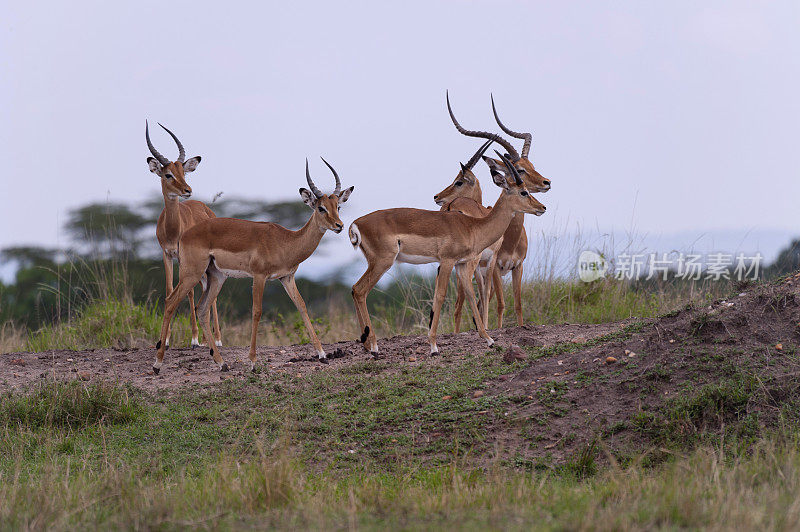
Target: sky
672,120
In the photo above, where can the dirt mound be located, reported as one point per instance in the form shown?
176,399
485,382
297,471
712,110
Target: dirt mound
729,368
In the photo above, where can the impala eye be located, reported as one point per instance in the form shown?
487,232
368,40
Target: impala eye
459,183
321,209
523,193
168,176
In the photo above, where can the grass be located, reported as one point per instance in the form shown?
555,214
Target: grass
79,456
118,322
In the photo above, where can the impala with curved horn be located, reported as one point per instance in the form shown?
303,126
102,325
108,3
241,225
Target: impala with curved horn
514,247
177,217
417,236
464,195
218,248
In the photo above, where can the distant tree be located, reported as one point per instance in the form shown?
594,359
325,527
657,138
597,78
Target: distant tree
28,256
111,229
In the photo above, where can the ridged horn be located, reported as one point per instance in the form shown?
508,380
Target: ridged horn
511,168
181,152
335,176
482,134
160,158
526,147
474,159
317,192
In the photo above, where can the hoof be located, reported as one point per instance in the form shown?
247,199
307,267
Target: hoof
156,370
376,355
218,343
434,353
224,366
323,360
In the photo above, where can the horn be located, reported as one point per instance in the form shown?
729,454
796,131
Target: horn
478,154
482,134
526,147
317,192
160,158
181,152
510,167
335,176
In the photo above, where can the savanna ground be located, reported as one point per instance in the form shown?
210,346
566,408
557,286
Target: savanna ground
612,408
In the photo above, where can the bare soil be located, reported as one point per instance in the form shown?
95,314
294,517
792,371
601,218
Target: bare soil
184,367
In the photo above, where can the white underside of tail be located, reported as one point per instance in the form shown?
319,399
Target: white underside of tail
355,235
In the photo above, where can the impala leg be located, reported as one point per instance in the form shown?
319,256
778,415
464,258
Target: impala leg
170,306
291,289
461,290
465,273
516,281
497,282
360,290
442,280
169,281
215,280
217,332
481,288
258,300
195,342
488,280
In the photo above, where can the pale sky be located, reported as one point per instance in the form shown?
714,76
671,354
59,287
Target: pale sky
669,118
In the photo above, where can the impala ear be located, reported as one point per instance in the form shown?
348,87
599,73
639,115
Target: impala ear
345,195
308,197
466,175
154,165
495,165
191,164
498,177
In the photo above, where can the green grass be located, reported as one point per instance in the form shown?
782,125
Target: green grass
108,323
211,460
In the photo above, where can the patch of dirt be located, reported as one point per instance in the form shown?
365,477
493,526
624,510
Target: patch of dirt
184,367
561,404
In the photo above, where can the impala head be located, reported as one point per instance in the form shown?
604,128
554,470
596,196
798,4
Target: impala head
465,185
515,189
326,208
172,174
533,179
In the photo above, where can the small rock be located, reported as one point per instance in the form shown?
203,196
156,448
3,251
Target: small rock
299,375
84,375
672,340
282,351
631,354
552,390
514,354
560,362
108,360
627,351
477,393
394,440
779,347
530,397
447,397
610,360
17,362
412,359
596,359
70,360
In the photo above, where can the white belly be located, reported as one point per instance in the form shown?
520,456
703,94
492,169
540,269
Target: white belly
239,274
414,259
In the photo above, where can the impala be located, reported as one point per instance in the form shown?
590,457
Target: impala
464,195
514,248
177,217
218,248
452,239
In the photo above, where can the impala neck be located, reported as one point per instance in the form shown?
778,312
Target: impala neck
492,227
172,219
302,243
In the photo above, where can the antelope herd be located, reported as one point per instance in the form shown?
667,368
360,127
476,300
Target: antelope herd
477,241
